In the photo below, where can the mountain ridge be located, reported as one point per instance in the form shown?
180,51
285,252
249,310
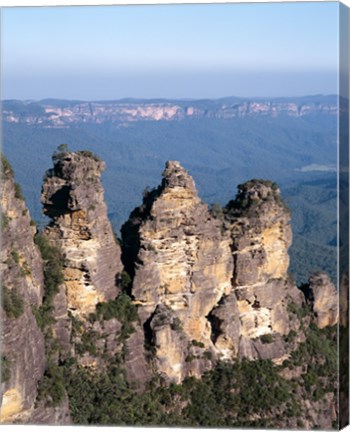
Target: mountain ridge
65,113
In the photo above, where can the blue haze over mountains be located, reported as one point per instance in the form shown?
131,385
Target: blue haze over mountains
221,142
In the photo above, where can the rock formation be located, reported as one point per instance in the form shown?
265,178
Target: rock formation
182,267
261,234
224,283
189,287
72,197
322,297
22,344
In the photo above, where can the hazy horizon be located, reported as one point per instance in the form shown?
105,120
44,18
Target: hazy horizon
189,99
189,51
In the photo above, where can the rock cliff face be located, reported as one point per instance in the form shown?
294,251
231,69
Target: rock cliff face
261,288
322,297
72,197
22,343
182,266
209,288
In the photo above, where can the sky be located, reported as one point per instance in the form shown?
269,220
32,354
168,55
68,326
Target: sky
169,51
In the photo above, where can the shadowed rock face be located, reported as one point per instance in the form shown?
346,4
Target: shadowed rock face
72,197
22,343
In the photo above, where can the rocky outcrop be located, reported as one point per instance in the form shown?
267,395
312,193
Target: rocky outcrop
224,283
72,197
22,343
181,262
322,297
259,224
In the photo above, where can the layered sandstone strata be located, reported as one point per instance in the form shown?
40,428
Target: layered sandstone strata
72,197
253,319
182,266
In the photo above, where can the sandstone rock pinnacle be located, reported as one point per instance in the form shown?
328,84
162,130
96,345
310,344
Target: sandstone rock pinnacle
261,288
182,263
72,197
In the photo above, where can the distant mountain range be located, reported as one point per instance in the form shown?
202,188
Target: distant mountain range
53,113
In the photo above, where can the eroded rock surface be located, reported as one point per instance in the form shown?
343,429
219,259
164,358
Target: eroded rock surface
322,296
72,197
182,262
22,343
261,234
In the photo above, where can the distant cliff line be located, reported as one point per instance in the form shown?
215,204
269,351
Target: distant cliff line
55,113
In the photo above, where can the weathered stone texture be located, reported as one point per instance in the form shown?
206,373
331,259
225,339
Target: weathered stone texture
22,343
323,299
182,263
72,197
261,235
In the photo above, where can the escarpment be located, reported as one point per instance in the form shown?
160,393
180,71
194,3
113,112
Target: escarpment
72,197
22,342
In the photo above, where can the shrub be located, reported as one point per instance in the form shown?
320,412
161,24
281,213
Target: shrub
51,388
197,343
4,220
18,192
290,336
53,266
12,303
89,154
124,280
6,169
121,308
176,325
5,369
266,338
15,256
208,355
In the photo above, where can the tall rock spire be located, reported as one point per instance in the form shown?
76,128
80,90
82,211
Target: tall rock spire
181,268
261,234
72,196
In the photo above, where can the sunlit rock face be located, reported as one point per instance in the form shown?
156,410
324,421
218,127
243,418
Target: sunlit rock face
222,280
322,296
182,262
72,197
252,319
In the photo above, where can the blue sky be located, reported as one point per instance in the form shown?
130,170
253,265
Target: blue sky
179,51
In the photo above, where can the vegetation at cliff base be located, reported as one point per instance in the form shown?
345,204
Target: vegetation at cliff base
240,394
